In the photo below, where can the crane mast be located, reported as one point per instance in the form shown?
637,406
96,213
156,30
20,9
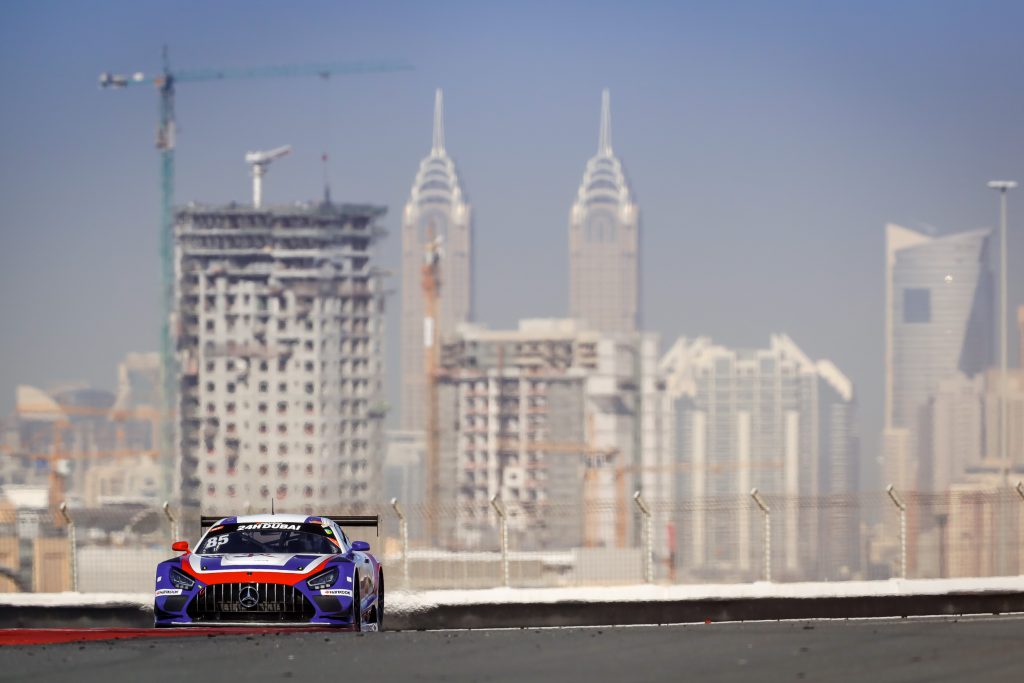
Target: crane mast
431,284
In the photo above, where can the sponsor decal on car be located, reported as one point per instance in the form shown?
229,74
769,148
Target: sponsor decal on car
168,591
268,525
337,591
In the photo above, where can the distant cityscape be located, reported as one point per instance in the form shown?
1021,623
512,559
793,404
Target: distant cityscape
279,339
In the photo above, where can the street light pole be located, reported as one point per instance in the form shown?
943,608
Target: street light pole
1003,186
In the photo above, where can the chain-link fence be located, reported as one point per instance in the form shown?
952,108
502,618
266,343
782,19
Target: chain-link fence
958,533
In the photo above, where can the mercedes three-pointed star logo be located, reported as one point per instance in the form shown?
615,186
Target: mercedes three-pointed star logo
248,597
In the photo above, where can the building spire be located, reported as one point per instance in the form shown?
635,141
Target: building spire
604,144
438,146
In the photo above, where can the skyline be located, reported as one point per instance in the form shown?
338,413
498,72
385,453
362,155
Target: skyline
753,224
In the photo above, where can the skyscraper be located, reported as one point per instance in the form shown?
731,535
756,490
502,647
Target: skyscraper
939,317
436,206
772,419
604,246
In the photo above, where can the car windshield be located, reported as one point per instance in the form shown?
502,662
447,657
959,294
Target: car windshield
272,537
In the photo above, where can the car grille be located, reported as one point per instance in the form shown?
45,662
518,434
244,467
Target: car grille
234,602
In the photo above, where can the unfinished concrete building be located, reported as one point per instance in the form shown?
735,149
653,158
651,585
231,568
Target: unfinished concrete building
280,345
544,417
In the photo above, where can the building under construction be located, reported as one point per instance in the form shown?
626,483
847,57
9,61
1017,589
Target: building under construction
546,418
278,316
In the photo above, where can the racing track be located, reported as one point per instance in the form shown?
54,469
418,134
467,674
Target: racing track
925,649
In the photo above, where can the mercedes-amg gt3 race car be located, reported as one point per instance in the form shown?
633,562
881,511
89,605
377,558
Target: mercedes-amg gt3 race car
273,569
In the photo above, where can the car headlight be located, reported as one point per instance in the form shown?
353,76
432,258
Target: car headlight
180,579
323,579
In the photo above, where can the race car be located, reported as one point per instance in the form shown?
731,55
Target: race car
273,569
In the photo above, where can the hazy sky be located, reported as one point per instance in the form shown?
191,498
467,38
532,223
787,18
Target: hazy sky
767,144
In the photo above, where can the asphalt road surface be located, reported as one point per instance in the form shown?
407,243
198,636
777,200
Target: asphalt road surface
935,649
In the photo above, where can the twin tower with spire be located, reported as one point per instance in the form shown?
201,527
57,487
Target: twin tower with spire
603,253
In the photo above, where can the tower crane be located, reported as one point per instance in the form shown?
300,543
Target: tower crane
165,82
259,162
431,284
57,458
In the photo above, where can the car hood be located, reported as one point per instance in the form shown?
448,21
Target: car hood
278,562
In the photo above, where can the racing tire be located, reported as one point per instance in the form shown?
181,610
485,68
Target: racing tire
357,609
379,608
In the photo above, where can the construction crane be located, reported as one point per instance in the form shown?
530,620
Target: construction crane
165,82
259,162
58,455
431,284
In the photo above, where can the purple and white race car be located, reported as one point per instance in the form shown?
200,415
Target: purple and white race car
273,569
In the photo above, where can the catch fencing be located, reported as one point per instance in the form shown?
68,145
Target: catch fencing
872,535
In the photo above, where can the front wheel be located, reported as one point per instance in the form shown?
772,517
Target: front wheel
357,610
380,603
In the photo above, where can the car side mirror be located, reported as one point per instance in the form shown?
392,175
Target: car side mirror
180,546
360,546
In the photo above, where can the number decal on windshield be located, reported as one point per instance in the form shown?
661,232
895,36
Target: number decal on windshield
212,544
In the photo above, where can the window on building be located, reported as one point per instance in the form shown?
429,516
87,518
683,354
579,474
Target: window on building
917,305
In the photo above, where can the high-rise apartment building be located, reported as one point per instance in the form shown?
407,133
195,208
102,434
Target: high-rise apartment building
545,417
278,313
604,242
939,322
436,209
771,419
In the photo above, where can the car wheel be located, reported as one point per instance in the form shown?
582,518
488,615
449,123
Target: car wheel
380,603
357,613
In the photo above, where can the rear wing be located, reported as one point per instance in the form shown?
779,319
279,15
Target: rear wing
207,521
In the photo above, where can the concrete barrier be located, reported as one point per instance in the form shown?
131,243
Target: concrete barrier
523,615
468,615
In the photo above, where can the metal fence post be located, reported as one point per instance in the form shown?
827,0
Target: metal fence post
648,537
503,524
172,520
403,531
898,502
767,532
72,546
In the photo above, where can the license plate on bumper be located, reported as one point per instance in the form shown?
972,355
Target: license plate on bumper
262,607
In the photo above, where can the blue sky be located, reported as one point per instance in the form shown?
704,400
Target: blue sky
767,144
